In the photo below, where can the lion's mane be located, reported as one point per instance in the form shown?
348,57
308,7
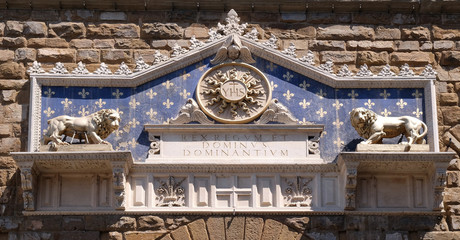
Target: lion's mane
104,128
363,129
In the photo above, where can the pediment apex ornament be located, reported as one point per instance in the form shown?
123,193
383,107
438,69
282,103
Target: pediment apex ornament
233,49
190,112
277,112
233,24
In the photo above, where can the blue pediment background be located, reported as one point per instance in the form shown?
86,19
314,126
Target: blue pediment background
161,99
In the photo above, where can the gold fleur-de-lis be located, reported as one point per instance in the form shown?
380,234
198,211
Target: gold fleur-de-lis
418,113
151,94
134,123
167,84
321,112
401,103
200,66
119,112
353,94
304,122
288,95
337,123
168,103
100,103
321,94
417,94
288,76
117,94
369,104
83,111
337,104
166,121
48,112
338,142
152,114
273,84
386,113
304,85
118,132
49,92
66,103
133,103
83,93
384,94
133,143
184,94
304,104
185,75
271,66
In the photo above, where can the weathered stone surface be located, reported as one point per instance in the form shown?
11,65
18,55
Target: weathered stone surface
253,228
450,58
113,16
8,224
197,30
451,115
298,223
12,84
78,235
328,223
14,42
454,164
306,32
443,45
293,17
116,56
426,46
35,29
338,57
173,223
25,54
441,235
131,43
68,29
345,32
407,45
272,229
104,43
2,29
371,58
112,236
14,28
288,234
315,45
6,55
43,223
371,45
413,58
448,99
81,43
416,33
56,55
446,34
403,19
96,222
412,223
234,228
88,55
197,230
48,42
6,130
161,31
181,43
383,33
12,70
113,30
453,178
216,228
151,223
9,96
455,222
73,223
143,235
167,237
123,224
159,43
452,196
181,233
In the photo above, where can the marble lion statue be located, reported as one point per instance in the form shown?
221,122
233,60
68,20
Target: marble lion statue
374,127
96,126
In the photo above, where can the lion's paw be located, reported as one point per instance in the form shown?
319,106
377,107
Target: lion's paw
64,143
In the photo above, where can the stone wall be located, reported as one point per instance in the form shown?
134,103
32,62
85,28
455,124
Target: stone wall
71,36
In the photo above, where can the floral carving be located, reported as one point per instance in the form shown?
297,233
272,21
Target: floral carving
59,68
428,71
213,35
170,193
272,42
103,70
328,66
386,72
195,43
178,50
140,65
253,34
364,71
158,57
406,71
80,69
35,68
298,193
290,51
309,58
233,24
123,70
344,72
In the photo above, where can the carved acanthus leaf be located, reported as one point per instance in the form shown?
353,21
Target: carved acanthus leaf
298,193
213,35
80,69
328,66
123,70
178,50
277,112
195,43
290,51
170,193
344,72
364,71
140,65
59,68
406,71
272,42
35,68
386,72
309,58
103,70
191,112
158,57
428,71
253,34
233,24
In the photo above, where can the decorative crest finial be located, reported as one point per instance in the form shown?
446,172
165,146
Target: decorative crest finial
233,25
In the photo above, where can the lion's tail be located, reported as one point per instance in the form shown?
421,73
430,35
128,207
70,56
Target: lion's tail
425,130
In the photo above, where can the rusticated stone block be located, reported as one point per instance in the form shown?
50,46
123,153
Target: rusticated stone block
96,222
450,58
345,32
161,31
2,29
144,235
116,56
416,33
167,237
151,223
455,222
77,235
43,223
216,229
88,55
123,224
131,43
173,223
81,43
407,45
14,42
328,223
298,223
412,223
48,42
451,115
448,99
372,58
159,43
73,223
6,55
299,44
253,228
289,234
443,45
306,32
441,235
35,29
14,28
316,45
181,233
234,228
374,46
446,34
25,54
197,30
453,178
9,96
104,43
412,58
68,29
112,236
383,33
56,55
338,57
113,16
13,84
8,224
403,19
12,70
426,46
452,196
6,130
197,230
113,31
272,229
